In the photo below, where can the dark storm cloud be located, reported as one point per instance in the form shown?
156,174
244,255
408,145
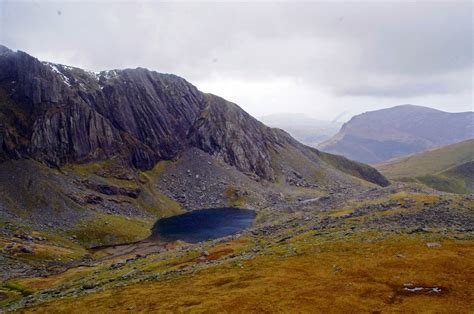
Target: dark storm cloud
382,49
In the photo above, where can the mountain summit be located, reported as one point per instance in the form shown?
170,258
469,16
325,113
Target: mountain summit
380,135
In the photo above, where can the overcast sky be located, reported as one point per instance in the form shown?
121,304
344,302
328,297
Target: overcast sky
317,58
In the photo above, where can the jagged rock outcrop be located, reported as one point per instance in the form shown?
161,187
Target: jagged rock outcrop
59,114
219,131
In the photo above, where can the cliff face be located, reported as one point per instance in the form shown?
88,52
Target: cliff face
59,114
74,115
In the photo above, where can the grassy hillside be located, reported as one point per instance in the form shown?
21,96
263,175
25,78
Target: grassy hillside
429,162
449,168
458,179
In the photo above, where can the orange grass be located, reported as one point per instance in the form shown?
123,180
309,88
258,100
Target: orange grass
39,283
345,275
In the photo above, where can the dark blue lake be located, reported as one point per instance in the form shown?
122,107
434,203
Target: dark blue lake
202,225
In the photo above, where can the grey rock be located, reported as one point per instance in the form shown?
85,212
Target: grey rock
140,116
25,249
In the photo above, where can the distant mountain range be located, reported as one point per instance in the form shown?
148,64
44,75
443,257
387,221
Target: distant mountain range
380,135
305,129
449,168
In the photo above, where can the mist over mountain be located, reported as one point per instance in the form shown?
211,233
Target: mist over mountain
305,129
376,136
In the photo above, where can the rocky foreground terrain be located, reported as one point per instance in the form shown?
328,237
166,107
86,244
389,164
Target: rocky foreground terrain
399,248
89,161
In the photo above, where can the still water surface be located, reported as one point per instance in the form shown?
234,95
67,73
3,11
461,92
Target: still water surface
202,225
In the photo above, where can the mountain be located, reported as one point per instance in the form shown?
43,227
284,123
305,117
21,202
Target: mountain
449,168
90,161
136,143
380,135
305,129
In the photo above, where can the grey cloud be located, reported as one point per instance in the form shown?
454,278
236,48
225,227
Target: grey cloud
343,47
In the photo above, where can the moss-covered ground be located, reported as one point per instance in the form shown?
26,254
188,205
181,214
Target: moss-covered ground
295,264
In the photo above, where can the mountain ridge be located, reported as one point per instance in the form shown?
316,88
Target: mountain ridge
376,136
72,115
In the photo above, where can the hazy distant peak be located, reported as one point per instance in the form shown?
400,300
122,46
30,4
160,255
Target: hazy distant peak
406,108
411,107
293,119
383,134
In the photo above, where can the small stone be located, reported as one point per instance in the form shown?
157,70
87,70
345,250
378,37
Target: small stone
336,268
26,249
88,286
205,253
433,244
117,265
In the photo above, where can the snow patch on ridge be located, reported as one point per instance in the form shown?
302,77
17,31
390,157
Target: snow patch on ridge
55,69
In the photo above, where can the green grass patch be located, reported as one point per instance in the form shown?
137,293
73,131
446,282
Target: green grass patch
446,184
14,286
102,229
233,197
151,199
429,162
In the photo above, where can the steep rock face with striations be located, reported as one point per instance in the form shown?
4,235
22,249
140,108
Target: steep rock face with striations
219,131
59,114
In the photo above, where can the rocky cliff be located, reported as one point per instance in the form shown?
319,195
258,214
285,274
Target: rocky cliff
58,114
